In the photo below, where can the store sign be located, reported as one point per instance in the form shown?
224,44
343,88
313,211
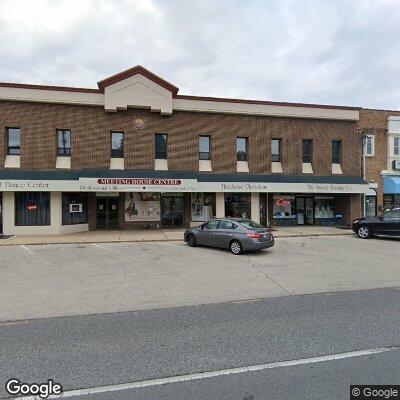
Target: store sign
137,185
283,202
20,185
32,207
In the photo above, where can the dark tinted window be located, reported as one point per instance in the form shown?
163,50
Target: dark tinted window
307,151
13,141
74,208
161,146
248,223
204,147
241,148
226,225
276,150
393,214
336,151
211,224
117,144
32,208
64,142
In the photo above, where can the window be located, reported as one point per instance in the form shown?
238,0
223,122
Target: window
211,224
161,146
336,151
307,151
241,148
324,207
117,145
32,208
370,206
64,142
238,205
226,225
393,214
248,223
283,207
369,143
74,208
276,150
13,141
204,146
396,146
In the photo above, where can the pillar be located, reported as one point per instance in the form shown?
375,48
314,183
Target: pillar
255,207
220,205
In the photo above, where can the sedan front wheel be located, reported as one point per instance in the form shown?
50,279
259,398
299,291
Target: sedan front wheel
364,232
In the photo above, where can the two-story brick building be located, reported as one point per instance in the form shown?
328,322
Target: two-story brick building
135,153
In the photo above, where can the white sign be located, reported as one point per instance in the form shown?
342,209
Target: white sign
19,185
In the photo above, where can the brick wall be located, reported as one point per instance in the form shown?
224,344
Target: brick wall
91,139
375,123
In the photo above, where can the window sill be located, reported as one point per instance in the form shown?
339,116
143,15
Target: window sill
276,167
117,163
160,164
306,168
337,169
205,165
63,162
242,166
12,161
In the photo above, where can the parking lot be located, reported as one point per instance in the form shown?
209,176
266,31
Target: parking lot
71,279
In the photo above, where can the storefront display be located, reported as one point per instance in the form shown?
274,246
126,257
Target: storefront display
74,208
283,207
32,208
238,205
142,207
391,201
324,207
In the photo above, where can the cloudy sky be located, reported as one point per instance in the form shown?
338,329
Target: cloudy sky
343,52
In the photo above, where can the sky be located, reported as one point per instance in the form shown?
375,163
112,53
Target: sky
342,52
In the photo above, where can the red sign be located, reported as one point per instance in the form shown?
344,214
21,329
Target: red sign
283,202
138,181
32,207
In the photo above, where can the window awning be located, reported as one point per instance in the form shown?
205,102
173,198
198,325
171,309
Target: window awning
391,184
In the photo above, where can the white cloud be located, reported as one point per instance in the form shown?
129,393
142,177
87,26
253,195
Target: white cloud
338,52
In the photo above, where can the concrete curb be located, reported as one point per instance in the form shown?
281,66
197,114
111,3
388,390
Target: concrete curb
157,240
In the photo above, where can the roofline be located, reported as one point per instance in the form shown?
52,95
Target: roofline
48,87
264,102
138,69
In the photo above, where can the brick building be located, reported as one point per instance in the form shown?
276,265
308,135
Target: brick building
381,131
134,153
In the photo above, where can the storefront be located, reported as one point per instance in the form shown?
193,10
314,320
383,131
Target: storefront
58,202
391,192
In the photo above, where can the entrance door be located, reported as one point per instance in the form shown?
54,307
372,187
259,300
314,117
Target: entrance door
305,210
172,211
107,212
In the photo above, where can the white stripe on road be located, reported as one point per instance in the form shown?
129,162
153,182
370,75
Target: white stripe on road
212,374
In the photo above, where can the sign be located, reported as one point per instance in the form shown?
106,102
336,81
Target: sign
75,208
32,207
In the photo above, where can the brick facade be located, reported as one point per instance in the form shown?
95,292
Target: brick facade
91,139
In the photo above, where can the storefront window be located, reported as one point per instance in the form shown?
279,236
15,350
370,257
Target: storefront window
32,208
284,207
391,201
324,207
238,205
370,206
74,208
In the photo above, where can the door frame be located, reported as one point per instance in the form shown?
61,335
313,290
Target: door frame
304,197
107,199
162,211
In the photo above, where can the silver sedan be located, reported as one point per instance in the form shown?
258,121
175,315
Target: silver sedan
236,234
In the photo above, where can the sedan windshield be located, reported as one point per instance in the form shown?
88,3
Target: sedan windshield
248,223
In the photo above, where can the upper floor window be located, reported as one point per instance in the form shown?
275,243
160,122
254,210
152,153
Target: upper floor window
241,148
117,145
204,147
161,146
276,150
307,150
396,146
13,141
64,142
369,145
336,151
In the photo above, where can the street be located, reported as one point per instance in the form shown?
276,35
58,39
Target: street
128,348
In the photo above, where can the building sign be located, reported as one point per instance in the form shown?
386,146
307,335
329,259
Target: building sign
137,185
32,207
142,207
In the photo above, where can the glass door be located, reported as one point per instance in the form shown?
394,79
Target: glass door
172,211
305,210
309,207
107,212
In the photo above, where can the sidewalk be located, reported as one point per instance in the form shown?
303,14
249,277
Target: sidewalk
156,235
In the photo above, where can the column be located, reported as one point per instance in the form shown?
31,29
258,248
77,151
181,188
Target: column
220,205
255,207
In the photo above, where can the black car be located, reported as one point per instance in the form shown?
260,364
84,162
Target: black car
388,224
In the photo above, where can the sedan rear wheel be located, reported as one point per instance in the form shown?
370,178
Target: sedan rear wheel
191,240
236,247
364,232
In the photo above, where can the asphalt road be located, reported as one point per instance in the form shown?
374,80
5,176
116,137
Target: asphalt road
65,280
110,349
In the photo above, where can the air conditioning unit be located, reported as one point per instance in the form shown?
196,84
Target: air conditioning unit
396,164
75,208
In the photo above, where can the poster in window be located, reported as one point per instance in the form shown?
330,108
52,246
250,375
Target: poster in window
142,207
197,207
324,207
